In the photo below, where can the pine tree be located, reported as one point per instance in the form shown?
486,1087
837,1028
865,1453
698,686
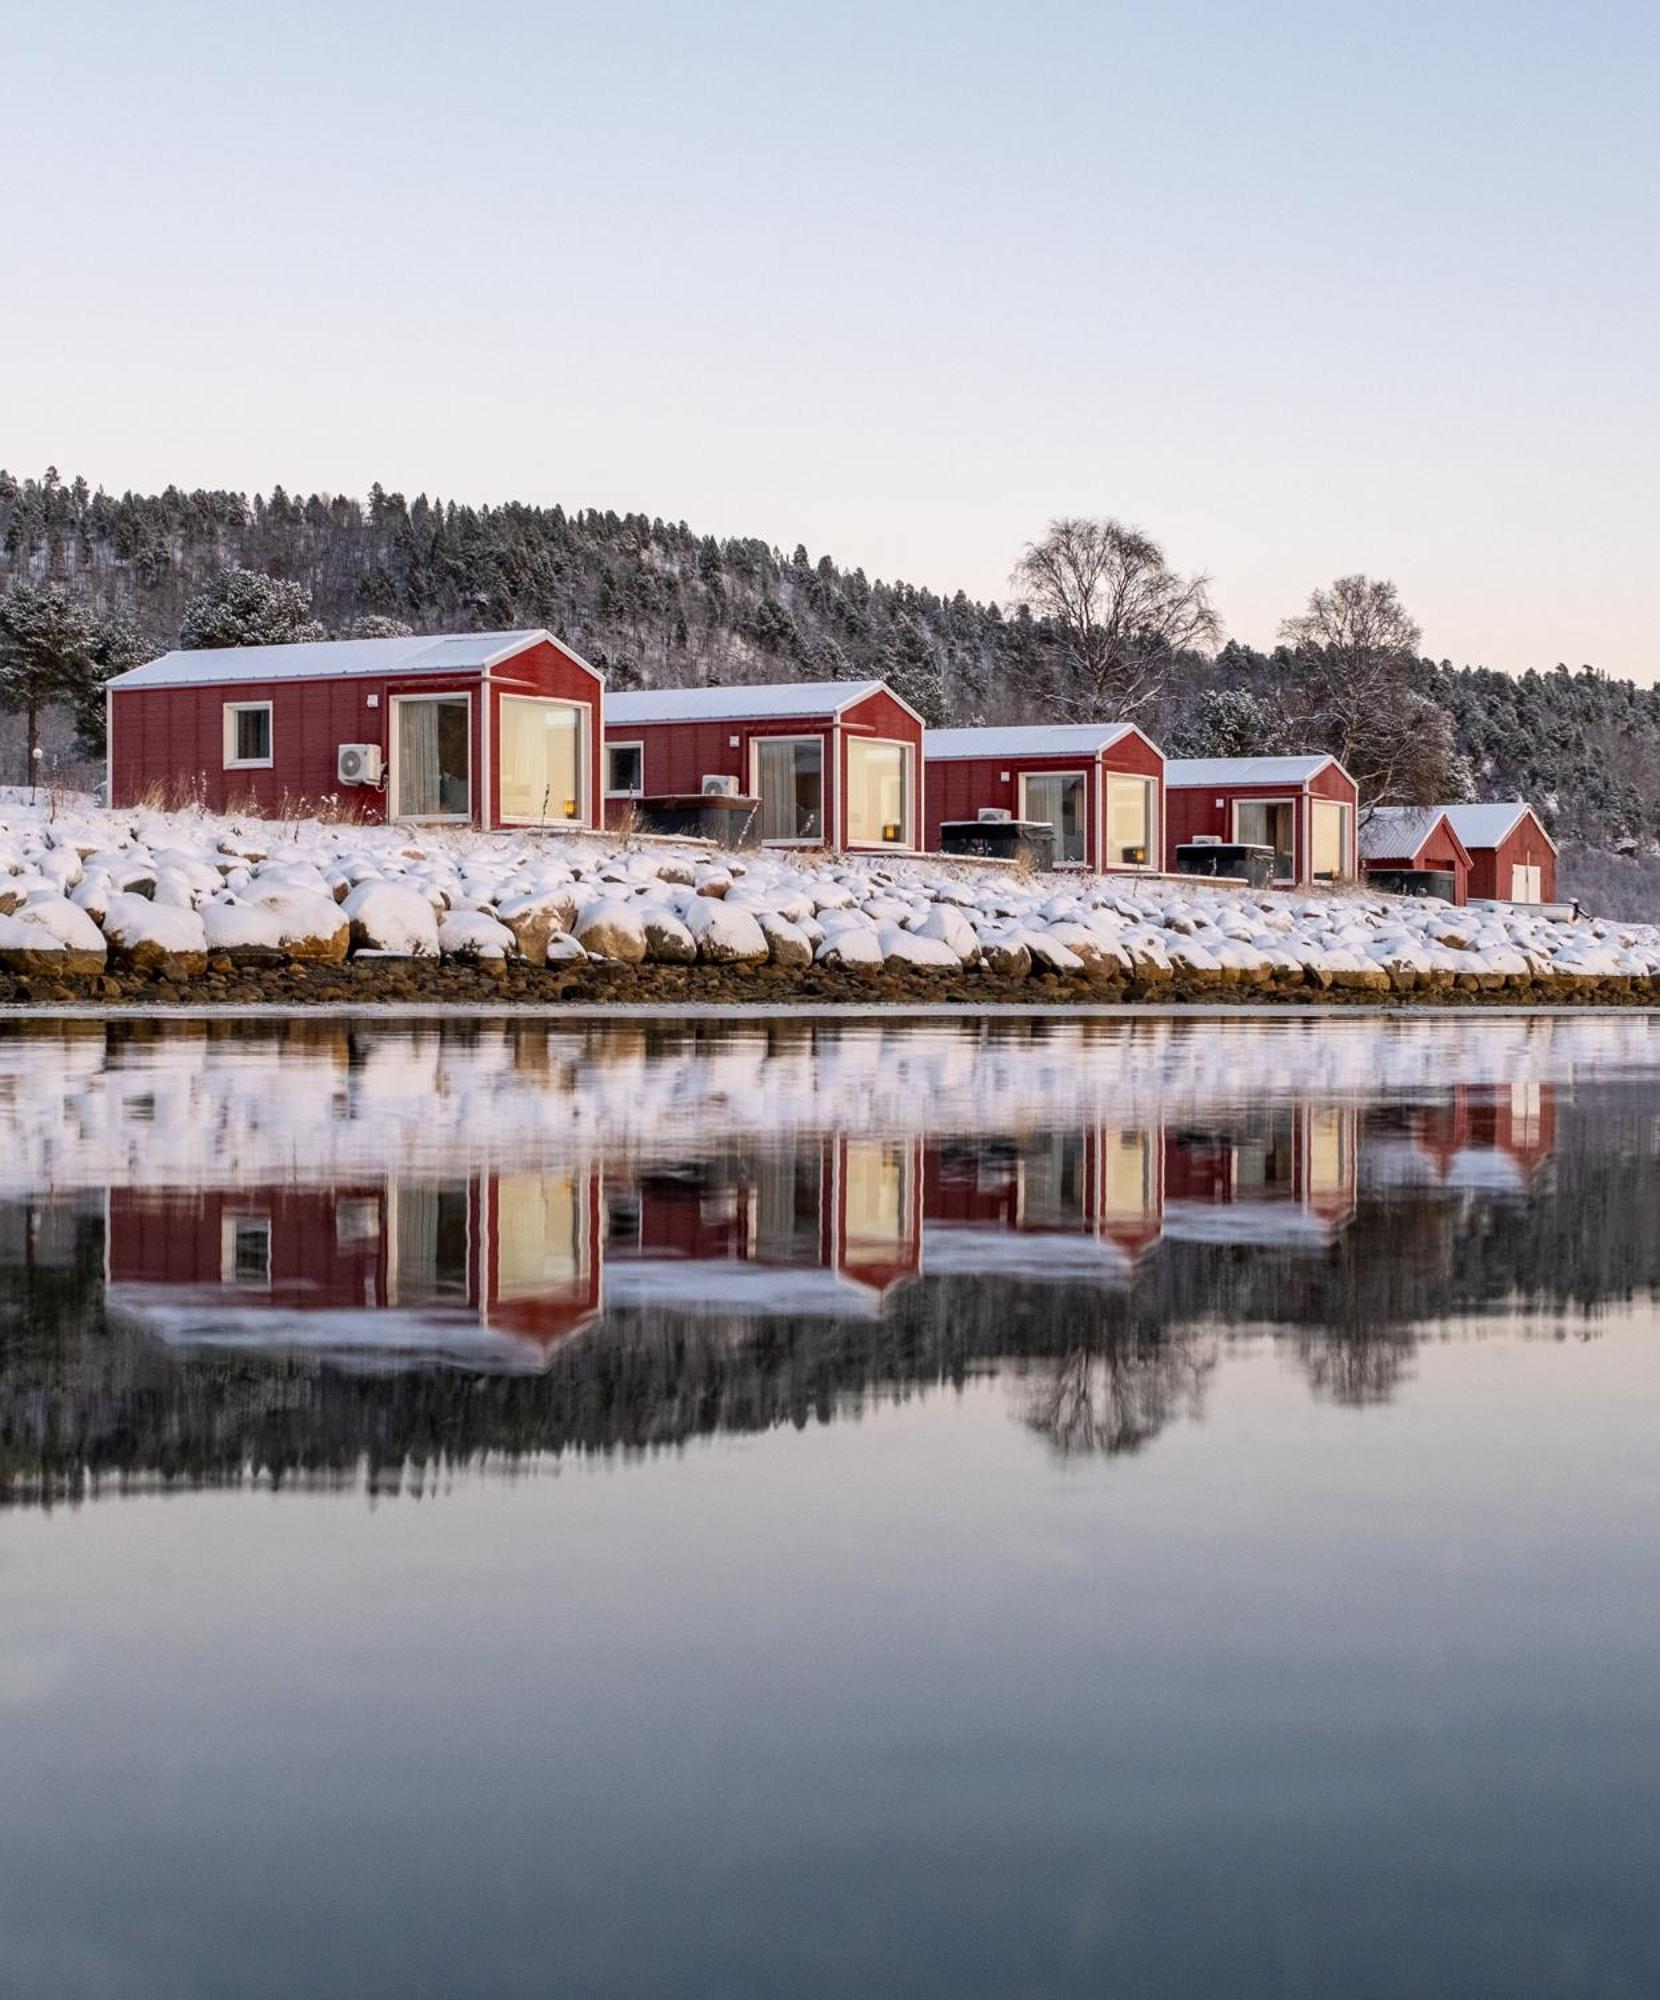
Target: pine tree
47,639
241,607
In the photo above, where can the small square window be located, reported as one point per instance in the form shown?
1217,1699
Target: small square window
247,733
625,767
245,1250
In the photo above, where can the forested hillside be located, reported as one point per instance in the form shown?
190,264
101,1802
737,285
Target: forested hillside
653,602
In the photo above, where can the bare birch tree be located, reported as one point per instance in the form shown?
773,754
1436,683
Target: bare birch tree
1357,649
1120,615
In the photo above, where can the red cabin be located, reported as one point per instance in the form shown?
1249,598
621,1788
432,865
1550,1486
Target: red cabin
834,763
482,728
1410,840
494,1270
1304,808
1512,858
1098,785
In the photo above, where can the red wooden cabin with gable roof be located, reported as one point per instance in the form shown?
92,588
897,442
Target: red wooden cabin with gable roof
1099,785
834,764
490,729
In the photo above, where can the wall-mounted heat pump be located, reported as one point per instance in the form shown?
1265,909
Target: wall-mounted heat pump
716,785
358,764
994,813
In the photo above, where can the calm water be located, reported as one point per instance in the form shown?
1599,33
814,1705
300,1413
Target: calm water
1001,1508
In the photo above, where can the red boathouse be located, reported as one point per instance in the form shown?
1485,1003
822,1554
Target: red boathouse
1304,808
1398,840
1512,858
834,763
481,728
1099,785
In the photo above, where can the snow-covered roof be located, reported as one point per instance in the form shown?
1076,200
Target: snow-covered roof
766,700
1041,739
1485,825
325,659
1394,833
1245,770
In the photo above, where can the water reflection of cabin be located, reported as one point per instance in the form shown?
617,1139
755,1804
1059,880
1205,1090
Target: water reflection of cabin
819,1225
1287,1175
1085,1200
1490,1136
504,1265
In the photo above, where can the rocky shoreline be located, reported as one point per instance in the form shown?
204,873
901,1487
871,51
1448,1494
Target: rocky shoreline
150,909
233,979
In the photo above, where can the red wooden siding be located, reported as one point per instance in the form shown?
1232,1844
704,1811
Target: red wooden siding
171,739
1524,846
678,756
1194,809
1440,848
959,786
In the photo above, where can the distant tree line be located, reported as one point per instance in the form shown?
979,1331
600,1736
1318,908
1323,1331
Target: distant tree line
1099,625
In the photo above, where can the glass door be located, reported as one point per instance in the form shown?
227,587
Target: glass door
1059,799
1269,823
432,766
789,775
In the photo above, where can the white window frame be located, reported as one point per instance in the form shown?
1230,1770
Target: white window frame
230,1224
906,843
584,757
1024,813
234,709
394,763
624,791
1345,866
1300,833
1155,832
829,782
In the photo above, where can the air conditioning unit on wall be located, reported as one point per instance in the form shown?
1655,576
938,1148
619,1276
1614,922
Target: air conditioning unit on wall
358,763
717,786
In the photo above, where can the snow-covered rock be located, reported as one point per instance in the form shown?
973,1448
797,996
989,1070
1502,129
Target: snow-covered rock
385,916
610,927
471,934
155,937
726,933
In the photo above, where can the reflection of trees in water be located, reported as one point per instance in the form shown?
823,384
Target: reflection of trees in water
1114,1396
85,1403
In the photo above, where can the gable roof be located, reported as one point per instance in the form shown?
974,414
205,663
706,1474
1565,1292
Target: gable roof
1398,833
1493,821
760,700
1246,770
1030,740
328,659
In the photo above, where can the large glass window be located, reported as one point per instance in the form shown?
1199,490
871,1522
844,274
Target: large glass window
430,1244
434,769
1059,799
539,1241
541,759
790,774
1269,823
1129,821
878,794
875,1190
1330,840
1129,1190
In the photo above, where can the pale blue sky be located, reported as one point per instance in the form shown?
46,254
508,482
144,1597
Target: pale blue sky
1300,288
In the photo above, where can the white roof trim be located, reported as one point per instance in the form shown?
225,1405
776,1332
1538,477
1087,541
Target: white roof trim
752,701
1063,739
1490,821
334,659
1182,772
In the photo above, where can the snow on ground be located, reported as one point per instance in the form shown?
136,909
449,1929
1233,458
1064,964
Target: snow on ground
158,885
